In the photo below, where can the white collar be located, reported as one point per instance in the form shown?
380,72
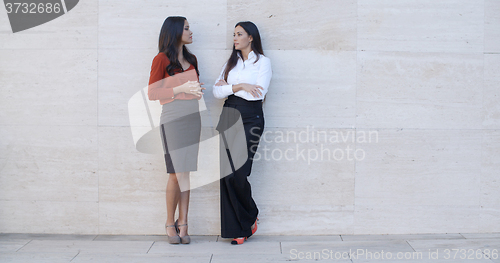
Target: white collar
250,55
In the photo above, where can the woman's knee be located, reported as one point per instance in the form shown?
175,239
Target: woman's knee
173,177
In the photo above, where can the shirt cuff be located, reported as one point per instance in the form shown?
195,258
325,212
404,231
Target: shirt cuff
225,90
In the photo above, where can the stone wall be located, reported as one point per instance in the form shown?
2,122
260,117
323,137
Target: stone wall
383,117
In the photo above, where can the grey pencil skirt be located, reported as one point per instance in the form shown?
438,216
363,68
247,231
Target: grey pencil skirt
180,129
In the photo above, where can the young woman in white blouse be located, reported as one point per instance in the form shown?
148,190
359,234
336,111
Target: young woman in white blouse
244,81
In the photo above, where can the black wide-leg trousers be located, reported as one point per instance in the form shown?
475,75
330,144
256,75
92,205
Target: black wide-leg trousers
240,127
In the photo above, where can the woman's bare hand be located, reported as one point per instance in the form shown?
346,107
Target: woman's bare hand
255,90
193,88
221,83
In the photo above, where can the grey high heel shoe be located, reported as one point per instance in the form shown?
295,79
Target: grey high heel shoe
185,239
173,239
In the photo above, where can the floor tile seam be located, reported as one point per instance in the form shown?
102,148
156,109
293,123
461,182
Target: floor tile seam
152,244
75,256
24,245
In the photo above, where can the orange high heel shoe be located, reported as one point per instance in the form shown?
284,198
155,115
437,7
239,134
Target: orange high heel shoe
238,240
255,227
241,240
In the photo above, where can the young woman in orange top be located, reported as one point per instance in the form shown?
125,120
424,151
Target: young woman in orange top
174,80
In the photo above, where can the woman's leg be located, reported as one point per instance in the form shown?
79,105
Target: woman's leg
183,179
172,197
238,208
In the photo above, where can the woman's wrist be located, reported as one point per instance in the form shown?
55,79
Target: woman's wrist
236,88
182,88
177,90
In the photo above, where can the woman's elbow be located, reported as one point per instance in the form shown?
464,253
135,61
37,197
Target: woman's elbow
216,93
151,96
218,96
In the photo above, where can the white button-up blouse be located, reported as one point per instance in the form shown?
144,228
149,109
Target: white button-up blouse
247,71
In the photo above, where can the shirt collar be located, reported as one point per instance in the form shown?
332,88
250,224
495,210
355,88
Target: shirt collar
251,55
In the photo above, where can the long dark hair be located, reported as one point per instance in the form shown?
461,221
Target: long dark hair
253,31
170,39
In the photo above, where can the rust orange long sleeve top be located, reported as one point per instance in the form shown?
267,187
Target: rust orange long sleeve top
161,85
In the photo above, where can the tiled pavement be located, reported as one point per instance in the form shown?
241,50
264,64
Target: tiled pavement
213,249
